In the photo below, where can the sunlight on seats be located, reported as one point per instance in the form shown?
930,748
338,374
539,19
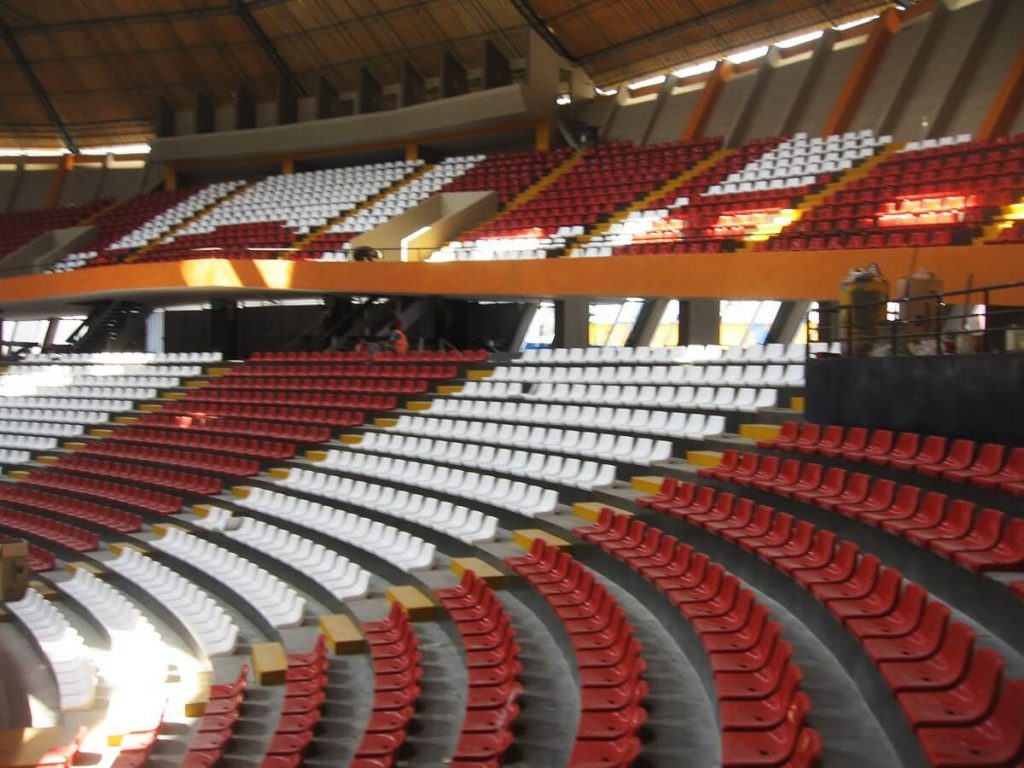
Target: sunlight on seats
276,274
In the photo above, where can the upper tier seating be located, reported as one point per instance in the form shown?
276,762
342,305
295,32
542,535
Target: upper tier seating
933,195
22,227
749,192
268,217
117,222
507,173
607,178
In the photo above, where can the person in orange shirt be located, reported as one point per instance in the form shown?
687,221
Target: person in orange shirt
399,341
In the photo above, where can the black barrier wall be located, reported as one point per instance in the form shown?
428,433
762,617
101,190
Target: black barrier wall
972,396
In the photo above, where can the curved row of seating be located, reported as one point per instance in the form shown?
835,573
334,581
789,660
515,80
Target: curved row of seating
97,514
42,428
747,399
750,375
65,651
469,525
229,426
341,385
990,466
948,688
220,718
679,424
187,439
90,405
205,407
526,498
761,354
212,627
52,415
980,541
61,534
179,482
492,661
367,356
292,400
762,714
154,502
218,464
608,658
354,369
410,553
271,597
14,456
335,573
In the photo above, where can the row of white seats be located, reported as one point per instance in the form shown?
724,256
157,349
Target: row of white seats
10,456
576,441
712,375
161,382
214,630
40,428
692,426
524,498
335,573
401,549
666,396
140,656
103,407
64,416
63,647
491,254
272,598
165,221
547,467
27,442
945,141
88,393
603,445
123,358
690,353
470,525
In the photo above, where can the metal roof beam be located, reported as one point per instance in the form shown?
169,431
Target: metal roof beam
37,88
245,14
541,28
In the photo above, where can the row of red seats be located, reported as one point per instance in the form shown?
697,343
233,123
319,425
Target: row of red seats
610,667
396,661
1014,233
362,370
304,695
106,517
230,426
264,234
164,478
415,356
492,660
950,690
216,463
63,756
40,560
154,502
64,535
508,174
981,541
220,717
761,711
241,446
385,386
291,415
961,461
135,746
204,397
915,238
18,228
128,216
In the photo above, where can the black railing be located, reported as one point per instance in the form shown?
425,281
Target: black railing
973,320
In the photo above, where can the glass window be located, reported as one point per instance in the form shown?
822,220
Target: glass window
746,322
667,332
541,332
610,324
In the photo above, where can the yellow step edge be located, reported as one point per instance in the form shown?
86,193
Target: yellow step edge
316,455
151,407
269,663
486,572
449,389
196,704
704,458
385,422
218,371
82,565
174,395
417,605
48,460
280,473
125,419
118,546
591,510
341,634
797,403
18,474
479,375
419,405
74,445
45,590
350,439
646,483
197,384
524,538
241,491
759,431
101,432
162,529
201,510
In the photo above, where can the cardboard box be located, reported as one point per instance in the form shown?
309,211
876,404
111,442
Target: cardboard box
14,570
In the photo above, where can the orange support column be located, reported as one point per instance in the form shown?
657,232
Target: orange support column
542,140
719,76
412,151
1006,103
863,72
67,162
287,166
170,179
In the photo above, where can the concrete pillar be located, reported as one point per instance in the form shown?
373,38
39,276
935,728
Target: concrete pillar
155,332
572,323
224,328
647,322
699,321
737,133
664,93
795,110
527,312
